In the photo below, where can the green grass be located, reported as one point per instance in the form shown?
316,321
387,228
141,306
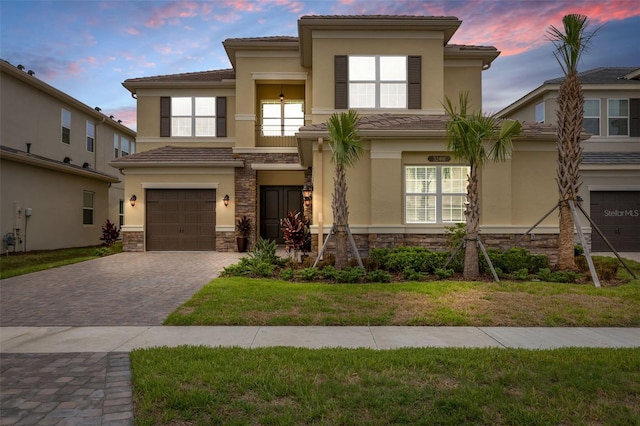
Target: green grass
293,386
245,301
25,263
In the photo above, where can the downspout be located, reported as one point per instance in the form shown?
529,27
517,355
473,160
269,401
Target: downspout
95,143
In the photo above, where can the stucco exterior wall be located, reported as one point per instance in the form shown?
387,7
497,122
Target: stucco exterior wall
56,200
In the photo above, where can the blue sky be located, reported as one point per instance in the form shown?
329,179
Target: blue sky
88,48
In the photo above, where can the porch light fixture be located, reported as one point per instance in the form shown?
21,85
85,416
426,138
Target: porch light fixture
307,191
281,94
132,200
226,200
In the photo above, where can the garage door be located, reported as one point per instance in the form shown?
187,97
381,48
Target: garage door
181,219
617,215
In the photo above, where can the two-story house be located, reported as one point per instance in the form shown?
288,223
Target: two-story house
214,146
57,188
610,169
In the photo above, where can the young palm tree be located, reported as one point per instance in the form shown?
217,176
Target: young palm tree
346,150
476,138
570,45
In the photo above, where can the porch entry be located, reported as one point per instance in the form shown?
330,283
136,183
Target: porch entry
275,202
181,219
617,215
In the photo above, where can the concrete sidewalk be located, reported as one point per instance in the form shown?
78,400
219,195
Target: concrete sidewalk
125,339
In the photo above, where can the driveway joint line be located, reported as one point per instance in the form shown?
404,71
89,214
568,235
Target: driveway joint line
492,338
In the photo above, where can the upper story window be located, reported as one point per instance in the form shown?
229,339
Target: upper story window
193,116
591,119
91,136
540,112
435,194
282,118
116,145
124,147
66,126
618,117
377,81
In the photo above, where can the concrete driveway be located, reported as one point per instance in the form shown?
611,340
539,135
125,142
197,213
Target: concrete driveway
120,290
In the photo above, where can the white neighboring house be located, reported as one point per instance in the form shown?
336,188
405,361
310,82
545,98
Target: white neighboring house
57,189
610,170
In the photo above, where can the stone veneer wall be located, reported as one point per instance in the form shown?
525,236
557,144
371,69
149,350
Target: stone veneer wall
247,186
541,244
133,241
226,241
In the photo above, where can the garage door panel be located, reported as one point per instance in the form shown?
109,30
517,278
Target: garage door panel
617,215
181,219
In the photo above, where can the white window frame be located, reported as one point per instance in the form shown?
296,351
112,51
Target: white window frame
91,136
585,116
609,116
88,206
124,146
437,194
65,124
193,118
286,125
379,84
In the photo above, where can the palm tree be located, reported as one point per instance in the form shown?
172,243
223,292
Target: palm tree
346,150
476,138
570,45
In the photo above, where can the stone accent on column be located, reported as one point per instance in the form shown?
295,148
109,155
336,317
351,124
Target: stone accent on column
226,241
133,241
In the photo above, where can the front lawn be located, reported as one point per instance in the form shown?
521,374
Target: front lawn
24,263
293,386
250,301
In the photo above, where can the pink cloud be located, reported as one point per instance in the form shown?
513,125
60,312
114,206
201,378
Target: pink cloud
133,31
172,13
126,114
243,5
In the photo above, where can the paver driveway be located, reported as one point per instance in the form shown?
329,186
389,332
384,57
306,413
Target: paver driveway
122,289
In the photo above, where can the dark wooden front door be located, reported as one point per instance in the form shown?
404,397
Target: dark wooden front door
617,215
275,202
181,219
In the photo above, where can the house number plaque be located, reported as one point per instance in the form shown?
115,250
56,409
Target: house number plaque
439,158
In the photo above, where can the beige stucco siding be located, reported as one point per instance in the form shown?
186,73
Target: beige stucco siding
328,44
463,76
56,200
534,191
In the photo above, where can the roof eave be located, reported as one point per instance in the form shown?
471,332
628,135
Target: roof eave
147,164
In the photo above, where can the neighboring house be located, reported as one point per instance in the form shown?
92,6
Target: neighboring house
57,187
257,134
610,170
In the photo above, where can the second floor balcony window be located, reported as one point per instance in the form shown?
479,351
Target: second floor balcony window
282,118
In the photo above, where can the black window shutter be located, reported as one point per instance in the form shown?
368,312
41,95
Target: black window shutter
414,80
341,66
165,116
221,116
634,118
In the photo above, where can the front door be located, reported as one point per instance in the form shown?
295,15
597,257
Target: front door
181,219
275,202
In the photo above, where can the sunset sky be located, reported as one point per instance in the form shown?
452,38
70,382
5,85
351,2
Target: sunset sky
88,48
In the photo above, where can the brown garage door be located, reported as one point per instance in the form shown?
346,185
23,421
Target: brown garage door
617,215
181,219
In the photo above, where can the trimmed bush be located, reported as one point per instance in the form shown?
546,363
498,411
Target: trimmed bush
378,276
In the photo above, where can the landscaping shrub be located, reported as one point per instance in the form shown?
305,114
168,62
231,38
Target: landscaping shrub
377,259
350,275
443,274
521,274
265,251
287,274
514,259
110,234
545,274
378,276
308,274
606,267
417,258
410,274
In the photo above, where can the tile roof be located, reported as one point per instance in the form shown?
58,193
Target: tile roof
275,39
611,158
202,76
603,75
401,122
174,154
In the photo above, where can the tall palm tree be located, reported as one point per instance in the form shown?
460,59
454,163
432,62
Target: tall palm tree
476,138
346,150
570,45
